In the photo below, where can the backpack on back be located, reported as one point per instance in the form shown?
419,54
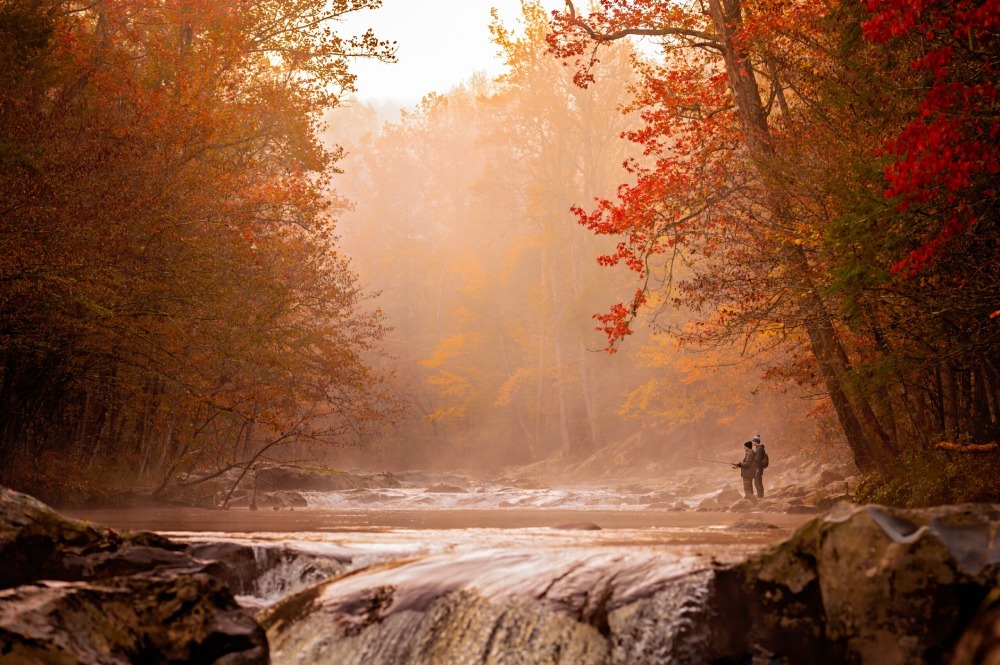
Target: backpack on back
765,460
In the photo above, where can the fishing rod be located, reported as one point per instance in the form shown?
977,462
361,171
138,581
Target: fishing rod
713,461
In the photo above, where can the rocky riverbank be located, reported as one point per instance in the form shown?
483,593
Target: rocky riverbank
860,584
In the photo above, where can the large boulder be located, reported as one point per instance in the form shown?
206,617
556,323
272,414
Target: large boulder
37,543
72,592
137,619
573,606
867,584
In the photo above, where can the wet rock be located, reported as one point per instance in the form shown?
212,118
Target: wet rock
743,505
267,572
980,643
36,543
292,499
109,597
265,500
295,478
728,496
829,500
139,619
528,607
442,488
867,584
367,497
578,526
709,503
828,476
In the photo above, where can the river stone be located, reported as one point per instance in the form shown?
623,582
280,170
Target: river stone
578,526
868,584
267,572
828,476
442,488
537,606
709,503
980,644
110,598
742,506
139,619
36,543
265,500
728,496
322,480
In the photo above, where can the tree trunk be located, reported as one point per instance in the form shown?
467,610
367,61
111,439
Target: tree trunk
865,435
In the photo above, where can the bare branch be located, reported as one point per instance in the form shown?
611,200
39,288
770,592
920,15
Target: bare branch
667,31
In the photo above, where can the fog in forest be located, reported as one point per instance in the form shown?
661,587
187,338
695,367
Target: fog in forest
670,336
460,221
605,259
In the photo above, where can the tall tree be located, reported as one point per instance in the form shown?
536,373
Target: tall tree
762,123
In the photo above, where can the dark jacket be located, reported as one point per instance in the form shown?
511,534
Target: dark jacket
759,455
749,464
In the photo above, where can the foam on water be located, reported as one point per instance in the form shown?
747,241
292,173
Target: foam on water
484,497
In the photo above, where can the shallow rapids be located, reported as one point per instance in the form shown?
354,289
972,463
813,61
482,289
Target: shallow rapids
403,575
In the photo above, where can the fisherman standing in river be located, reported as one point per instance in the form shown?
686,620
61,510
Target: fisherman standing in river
748,468
760,463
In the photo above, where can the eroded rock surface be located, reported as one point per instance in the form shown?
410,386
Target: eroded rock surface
78,593
139,619
37,543
869,584
499,606
863,584
264,573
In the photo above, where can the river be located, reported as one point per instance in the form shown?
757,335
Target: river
503,546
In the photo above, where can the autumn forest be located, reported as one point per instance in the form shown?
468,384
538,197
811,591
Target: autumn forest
672,224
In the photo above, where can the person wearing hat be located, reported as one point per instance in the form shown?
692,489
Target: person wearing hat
760,463
748,468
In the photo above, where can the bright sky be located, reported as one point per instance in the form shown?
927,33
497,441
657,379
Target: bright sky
441,43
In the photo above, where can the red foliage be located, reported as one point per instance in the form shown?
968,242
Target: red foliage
950,147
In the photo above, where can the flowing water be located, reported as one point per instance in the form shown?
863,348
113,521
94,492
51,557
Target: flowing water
476,556
431,517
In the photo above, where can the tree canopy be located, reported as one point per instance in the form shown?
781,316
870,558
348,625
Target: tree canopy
173,294
828,173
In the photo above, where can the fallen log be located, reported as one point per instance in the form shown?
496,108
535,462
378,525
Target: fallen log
967,447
